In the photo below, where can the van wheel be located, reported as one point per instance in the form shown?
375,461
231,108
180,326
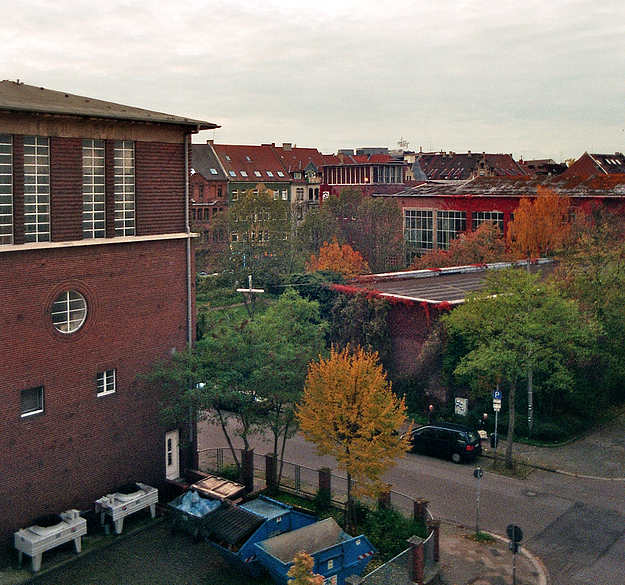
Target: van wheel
455,457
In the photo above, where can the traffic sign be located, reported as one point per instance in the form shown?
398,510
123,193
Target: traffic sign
515,534
478,472
496,406
497,395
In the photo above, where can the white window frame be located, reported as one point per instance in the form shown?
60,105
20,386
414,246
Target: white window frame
125,216
6,189
419,228
93,190
106,383
480,217
38,395
36,189
69,312
449,225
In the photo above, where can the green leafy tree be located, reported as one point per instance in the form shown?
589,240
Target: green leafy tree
350,412
519,325
592,270
261,244
289,335
251,371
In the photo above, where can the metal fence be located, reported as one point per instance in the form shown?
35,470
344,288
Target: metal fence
394,572
298,479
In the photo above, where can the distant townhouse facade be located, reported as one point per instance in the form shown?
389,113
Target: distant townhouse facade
304,167
95,246
209,204
371,173
453,166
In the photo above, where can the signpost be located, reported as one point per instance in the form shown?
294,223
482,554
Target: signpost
497,396
477,474
515,534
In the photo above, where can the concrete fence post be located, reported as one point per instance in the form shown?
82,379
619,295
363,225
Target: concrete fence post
384,499
248,470
271,471
417,557
325,479
434,528
421,510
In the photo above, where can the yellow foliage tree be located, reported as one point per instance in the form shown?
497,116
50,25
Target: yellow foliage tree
301,571
340,259
350,412
540,226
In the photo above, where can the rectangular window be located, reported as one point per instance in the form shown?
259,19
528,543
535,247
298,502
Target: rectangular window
479,217
32,401
93,198
235,195
124,188
36,189
105,383
6,189
449,224
285,194
419,228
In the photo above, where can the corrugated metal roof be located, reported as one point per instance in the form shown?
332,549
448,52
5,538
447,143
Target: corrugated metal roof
444,285
19,97
233,524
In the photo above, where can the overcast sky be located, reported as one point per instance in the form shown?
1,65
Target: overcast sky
538,78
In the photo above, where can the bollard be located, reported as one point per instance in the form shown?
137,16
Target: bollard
434,528
417,554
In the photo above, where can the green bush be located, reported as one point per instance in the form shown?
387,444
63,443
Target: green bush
323,500
230,472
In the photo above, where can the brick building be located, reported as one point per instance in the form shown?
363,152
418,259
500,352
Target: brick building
97,276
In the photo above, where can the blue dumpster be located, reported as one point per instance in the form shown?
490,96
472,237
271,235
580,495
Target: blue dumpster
234,530
337,555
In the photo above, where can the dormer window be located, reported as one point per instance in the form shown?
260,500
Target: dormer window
244,173
269,174
258,174
280,174
213,171
248,159
232,173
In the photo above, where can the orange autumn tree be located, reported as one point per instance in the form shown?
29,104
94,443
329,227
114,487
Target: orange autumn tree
350,412
340,259
540,226
301,571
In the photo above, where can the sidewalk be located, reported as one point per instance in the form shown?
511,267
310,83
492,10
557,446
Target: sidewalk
464,561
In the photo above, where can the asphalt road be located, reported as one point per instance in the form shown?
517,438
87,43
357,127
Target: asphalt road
575,525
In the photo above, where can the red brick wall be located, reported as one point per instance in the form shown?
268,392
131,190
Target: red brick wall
83,446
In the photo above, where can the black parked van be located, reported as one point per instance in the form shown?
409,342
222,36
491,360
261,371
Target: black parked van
446,440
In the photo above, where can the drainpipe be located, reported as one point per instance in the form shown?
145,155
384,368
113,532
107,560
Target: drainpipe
192,461
188,232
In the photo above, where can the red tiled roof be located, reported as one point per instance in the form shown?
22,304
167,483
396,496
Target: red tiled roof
251,163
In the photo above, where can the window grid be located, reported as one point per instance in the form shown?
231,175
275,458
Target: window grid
36,189
449,224
418,228
124,188
31,401
69,311
6,189
479,217
93,194
106,383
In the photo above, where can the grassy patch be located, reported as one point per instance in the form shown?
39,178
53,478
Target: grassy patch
481,537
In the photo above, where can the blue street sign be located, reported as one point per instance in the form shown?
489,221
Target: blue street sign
497,395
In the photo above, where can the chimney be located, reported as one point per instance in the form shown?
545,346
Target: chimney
287,145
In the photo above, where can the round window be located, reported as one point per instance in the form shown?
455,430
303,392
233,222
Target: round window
69,311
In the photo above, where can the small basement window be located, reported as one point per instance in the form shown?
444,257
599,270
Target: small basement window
32,401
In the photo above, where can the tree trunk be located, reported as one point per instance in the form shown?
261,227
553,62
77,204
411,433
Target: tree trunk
224,423
511,423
